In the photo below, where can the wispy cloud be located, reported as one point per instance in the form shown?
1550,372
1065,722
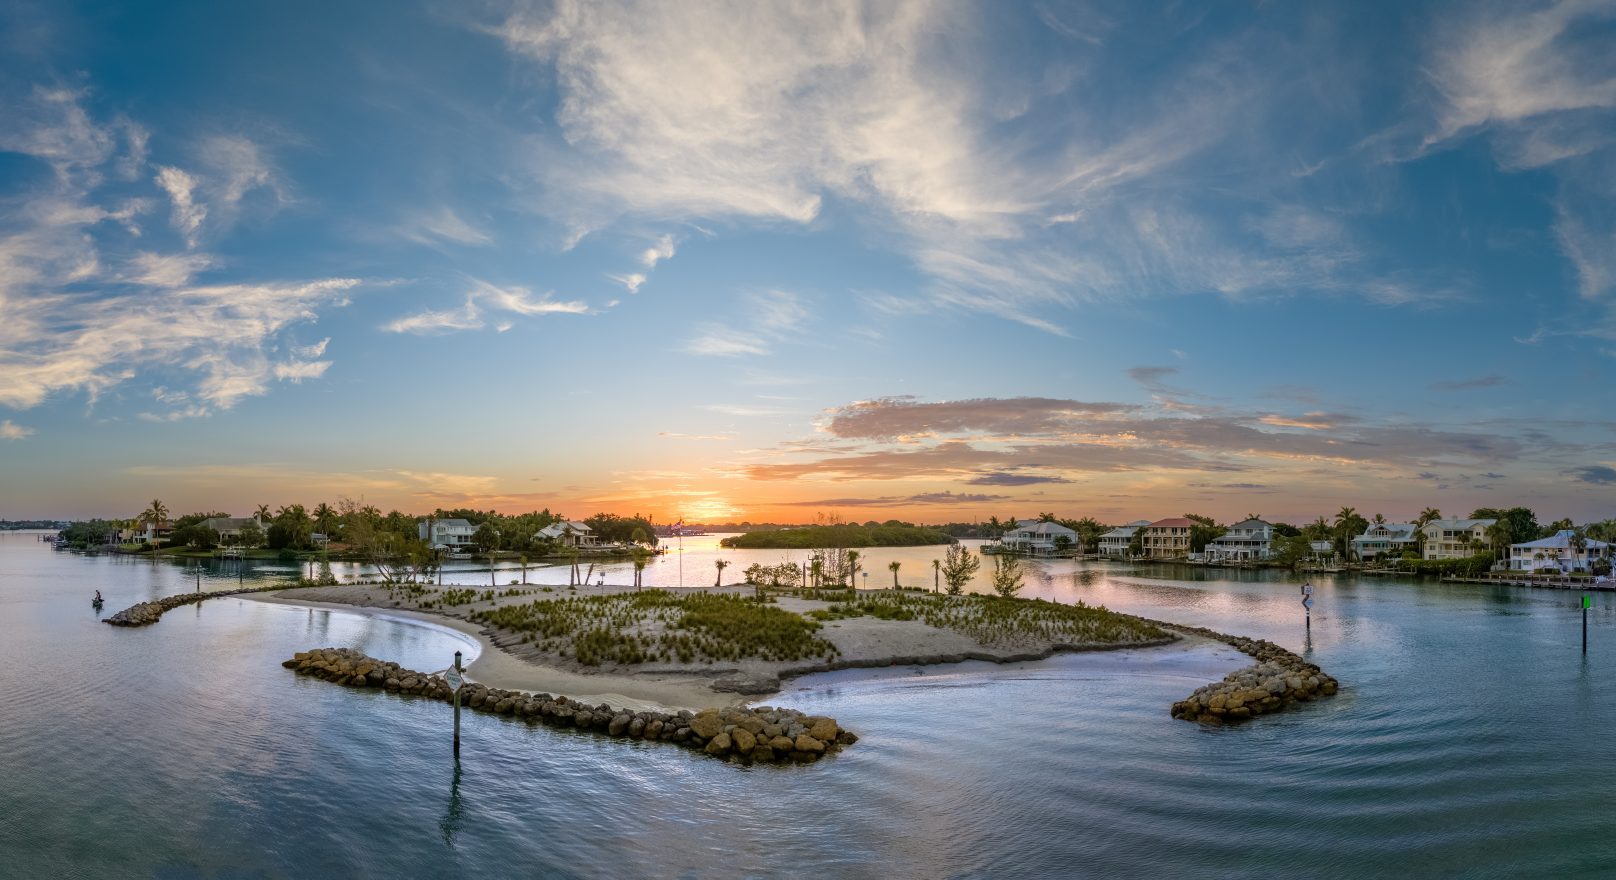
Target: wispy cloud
1488,381
664,249
436,226
929,498
631,281
772,318
9,430
483,297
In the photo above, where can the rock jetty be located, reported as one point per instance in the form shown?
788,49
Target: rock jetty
1278,679
146,613
739,734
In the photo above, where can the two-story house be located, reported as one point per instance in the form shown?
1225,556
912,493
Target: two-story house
1456,538
1167,538
1039,538
1557,552
1247,541
1385,539
1116,542
446,534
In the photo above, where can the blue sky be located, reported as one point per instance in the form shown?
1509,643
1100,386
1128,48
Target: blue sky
766,260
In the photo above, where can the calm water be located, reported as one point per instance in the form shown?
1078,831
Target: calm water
1472,740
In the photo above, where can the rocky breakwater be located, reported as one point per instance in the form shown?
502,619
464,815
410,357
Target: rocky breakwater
145,613
1278,679
741,734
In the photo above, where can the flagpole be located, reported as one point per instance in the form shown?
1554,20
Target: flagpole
680,529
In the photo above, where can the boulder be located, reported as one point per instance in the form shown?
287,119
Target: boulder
781,744
822,729
707,724
718,745
743,740
806,743
618,725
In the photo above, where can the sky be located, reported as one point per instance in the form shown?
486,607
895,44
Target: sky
773,261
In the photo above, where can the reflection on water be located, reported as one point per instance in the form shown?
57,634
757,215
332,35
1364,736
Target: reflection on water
1467,742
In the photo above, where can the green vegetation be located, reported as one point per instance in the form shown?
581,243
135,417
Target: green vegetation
889,534
1007,574
998,621
656,625
958,567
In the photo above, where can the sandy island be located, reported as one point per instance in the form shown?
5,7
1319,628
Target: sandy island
508,661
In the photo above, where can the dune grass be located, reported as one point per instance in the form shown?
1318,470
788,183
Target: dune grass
650,626
997,621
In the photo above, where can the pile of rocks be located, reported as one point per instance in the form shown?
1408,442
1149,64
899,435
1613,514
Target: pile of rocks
145,613
742,734
1278,679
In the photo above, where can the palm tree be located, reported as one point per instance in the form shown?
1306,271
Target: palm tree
936,574
262,512
157,513
720,564
1380,519
641,556
322,519
852,568
893,567
816,570
1499,536
1579,544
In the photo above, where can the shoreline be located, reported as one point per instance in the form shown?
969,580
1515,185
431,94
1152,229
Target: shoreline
495,667
498,665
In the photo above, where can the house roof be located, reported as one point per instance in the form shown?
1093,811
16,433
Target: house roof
1459,523
1252,524
1177,522
1396,532
1046,529
220,523
557,529
1560,540
452,523
1124,531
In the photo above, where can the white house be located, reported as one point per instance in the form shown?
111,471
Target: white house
1116,541
1247,541
1390,539
148,532
1555,552
446,534
569,533
1039,538
1456,538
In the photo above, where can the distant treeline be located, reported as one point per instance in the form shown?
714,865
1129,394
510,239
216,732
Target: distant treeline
888,534
17,525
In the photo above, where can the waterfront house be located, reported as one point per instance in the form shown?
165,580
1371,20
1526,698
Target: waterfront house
446,534
1455,538
229,527
1117,541
1039,538
1249,541
569,533
148,532
1167,538
1385,539
1556,552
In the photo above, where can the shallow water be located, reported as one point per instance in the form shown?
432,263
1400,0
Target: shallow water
1471,739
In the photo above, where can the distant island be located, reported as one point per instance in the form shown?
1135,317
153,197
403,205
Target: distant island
888,534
